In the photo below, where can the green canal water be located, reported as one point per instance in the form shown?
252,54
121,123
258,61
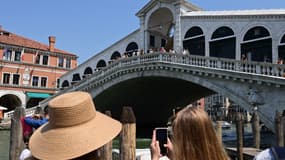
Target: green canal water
4,144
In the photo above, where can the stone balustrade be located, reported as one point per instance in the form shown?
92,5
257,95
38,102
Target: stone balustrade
247,67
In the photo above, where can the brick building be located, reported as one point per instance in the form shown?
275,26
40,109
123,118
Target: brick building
30,70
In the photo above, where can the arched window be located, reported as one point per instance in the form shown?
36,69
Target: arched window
76,77
101,64
194,41
115,55
65,84
257,45
255,33
88,70
132,47
223,43
281,50
283,39
192,32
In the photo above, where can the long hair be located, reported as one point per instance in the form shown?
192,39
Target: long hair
194,136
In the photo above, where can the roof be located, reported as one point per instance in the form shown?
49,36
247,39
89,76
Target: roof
237,12
152,4
13,39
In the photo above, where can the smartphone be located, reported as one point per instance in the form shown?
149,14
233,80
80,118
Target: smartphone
161,137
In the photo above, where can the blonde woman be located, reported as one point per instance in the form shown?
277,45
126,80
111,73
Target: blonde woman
193,138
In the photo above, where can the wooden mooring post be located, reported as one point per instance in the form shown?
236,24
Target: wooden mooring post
16,134
279,129
219,130
105,152
128,135
239,132
256,130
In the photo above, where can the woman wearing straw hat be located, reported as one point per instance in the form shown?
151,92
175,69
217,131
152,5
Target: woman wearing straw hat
75,129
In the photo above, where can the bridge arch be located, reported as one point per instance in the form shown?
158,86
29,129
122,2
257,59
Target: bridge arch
223,43
194,41
203,84
257,44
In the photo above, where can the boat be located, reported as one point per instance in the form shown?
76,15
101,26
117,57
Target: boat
225,125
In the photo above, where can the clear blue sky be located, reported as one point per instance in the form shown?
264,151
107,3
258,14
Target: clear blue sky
86,27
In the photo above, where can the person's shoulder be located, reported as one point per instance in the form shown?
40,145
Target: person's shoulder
264,155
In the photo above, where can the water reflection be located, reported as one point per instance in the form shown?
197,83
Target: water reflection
4,144
230,138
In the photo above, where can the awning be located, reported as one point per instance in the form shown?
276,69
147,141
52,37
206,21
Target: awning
38,95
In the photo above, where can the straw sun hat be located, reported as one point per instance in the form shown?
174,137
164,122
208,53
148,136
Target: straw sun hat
74,128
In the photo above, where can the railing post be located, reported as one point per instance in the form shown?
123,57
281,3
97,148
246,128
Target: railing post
16,134
128,135
219,63
160,57
258,69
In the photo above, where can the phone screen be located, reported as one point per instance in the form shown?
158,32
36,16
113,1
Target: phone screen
161,136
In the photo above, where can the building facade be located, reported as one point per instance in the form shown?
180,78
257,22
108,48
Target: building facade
30,70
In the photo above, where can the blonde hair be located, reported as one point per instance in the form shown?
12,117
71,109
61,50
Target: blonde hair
194,136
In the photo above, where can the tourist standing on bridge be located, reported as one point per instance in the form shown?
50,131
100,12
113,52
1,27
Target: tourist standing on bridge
194,138
74,131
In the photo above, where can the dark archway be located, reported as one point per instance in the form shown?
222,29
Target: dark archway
132,47
65,84
257,45
281,49
10,101
223,43
88,70
115,55
76,77
101,64
194,41
160,29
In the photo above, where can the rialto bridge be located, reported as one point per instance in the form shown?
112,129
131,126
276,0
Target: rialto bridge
214,43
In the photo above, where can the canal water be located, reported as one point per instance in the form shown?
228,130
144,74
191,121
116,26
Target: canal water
229,139
4,144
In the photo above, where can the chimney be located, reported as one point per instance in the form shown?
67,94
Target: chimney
51,43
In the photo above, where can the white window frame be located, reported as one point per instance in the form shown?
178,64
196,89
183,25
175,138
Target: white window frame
9,78
40,84
19,82
33,80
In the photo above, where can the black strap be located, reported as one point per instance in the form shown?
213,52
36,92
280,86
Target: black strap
278,153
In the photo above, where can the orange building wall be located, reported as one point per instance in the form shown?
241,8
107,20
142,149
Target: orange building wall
51,71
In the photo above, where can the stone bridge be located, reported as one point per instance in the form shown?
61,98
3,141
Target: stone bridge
154,84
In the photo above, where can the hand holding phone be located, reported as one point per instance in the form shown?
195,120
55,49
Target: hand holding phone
161,137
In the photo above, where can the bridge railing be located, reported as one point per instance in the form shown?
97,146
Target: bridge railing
250,67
